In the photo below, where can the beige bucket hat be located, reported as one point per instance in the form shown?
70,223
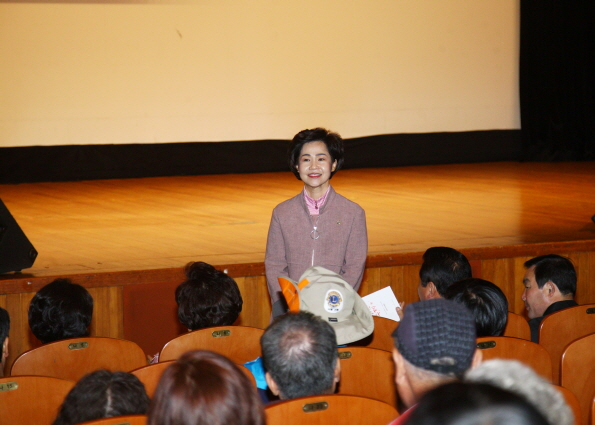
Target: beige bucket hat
326,294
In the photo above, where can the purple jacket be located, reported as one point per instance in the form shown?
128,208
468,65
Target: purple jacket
342,245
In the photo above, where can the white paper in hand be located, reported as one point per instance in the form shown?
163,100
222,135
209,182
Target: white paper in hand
383,303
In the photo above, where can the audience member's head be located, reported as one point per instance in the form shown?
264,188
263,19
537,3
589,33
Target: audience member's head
203,387
208,297
520,379
299,352
434,343
4,330
548,279
333,142
103,394
442,266
60,310
485,300
459,403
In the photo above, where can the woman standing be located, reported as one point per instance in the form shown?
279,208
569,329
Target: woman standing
317,227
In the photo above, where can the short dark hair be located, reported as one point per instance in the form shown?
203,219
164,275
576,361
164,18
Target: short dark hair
299,350
333,142
485,300
556,269
443,266
4,326
60,310
103,394
208,297
461,403
203,387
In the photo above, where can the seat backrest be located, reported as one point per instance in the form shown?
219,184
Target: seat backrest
527,352
381,337
240,344
368,372
151,374
119,420
577,372
561,328
31,399
573,403
517,327
74,358
333,409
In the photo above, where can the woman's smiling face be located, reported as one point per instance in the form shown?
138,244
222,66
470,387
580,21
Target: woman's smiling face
315,165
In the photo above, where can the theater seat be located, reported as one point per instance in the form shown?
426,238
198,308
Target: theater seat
74,358
333,409
119,420
517,327
31,399
368,372
561,328
577,372
240,344
527,352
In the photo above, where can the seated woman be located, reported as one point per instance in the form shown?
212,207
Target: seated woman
203,387
485,300
60,310
208,297
103,394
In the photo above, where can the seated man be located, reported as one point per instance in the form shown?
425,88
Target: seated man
60,310
4,330
434,344
550,285
442,267
520,379
465,403
485,300
300,356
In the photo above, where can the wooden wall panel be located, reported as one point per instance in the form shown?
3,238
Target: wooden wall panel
107,319
21,338
501,271
256,310
584,262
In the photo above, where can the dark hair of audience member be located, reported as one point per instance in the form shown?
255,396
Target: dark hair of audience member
485,300
443,266
4,326
461,403
333,142
556,269
299,351
208,297
103,394
60,310
203,387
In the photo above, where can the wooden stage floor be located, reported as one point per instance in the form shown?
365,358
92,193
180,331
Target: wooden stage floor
127,240
156,223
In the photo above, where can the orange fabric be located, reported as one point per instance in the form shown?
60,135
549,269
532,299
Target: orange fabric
290,293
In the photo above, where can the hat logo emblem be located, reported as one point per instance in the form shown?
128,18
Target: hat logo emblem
333,302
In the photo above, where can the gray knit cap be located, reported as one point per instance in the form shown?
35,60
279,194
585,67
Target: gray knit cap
437,335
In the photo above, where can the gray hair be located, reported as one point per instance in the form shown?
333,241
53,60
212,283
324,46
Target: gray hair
520,379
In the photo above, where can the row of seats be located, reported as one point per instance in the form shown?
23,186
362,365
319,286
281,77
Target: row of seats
81,356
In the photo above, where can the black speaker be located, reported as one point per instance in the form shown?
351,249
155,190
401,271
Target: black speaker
16,252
